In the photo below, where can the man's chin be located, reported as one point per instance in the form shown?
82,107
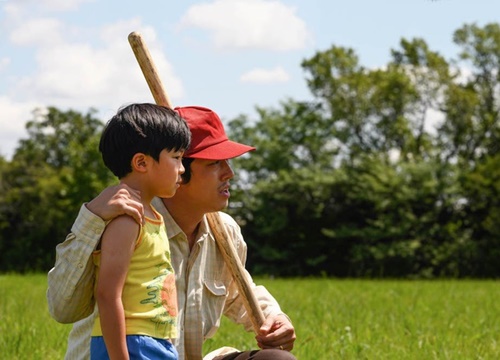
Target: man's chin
221,206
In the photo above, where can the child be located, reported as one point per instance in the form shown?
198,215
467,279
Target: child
135,290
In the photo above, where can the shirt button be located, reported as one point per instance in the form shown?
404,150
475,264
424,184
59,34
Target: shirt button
80,265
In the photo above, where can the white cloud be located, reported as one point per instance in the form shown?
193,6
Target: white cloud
19,6
434,118
80,75
25,8
464,74
265,76
78,71
12,122
62,5
39,32
249,24
4,63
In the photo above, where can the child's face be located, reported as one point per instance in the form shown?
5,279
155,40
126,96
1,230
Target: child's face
166,175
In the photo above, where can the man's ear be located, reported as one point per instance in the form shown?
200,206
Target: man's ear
140,162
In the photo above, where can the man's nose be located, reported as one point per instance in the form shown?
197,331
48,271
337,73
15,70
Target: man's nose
227,170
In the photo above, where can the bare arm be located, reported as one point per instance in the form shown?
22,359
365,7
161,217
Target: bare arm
117,247
71,280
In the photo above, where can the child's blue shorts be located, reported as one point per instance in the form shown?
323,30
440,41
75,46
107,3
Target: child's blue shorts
140,347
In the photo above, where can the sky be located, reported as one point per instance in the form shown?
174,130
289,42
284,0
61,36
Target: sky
229,55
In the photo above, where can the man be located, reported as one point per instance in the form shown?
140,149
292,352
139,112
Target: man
205,289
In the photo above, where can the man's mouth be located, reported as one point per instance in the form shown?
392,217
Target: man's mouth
225,190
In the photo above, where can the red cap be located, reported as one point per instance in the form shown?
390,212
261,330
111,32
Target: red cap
208,138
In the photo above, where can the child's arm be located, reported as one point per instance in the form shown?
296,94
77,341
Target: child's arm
117,247
70,291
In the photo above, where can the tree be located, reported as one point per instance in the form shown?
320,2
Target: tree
472,128
52,173
293,151
357,183
354,183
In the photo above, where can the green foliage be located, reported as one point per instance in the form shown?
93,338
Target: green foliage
52,173
388,172
482,191
358,183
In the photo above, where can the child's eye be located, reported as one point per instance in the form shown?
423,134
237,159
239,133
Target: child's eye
179,155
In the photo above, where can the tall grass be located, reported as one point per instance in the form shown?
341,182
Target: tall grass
334,319
370,319
26,329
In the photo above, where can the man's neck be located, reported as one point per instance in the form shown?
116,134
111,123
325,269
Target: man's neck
186,217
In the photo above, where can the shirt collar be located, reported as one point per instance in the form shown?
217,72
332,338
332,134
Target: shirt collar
173,229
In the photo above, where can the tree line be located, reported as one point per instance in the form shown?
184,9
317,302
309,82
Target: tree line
387,172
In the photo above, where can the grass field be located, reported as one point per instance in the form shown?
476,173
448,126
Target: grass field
334,319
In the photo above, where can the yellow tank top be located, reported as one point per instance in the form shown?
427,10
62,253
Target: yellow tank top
149,295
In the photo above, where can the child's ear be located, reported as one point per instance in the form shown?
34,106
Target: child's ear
140,162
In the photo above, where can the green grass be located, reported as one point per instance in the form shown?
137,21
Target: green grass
334,319
365,319
26,329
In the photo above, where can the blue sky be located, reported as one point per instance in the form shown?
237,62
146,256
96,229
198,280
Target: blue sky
230,55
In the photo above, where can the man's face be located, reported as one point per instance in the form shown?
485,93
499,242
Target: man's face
208,188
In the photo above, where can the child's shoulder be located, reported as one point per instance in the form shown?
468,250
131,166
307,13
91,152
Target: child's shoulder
125,221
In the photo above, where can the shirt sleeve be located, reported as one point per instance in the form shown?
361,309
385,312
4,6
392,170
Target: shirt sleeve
70,293
234,308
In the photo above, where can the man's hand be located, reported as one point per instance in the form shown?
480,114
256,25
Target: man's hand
277,332
117,200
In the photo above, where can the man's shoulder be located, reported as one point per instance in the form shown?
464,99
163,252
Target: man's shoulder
226,218
233,229
229,221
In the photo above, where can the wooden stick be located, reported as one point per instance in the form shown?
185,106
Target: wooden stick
226,246
149,69
232,260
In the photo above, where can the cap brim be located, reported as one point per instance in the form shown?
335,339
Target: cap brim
221,151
